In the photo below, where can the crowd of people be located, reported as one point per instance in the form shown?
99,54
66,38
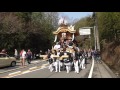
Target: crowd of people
23,55
76,60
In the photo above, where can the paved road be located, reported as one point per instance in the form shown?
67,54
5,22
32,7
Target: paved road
39,69
45,73
102,71
18,66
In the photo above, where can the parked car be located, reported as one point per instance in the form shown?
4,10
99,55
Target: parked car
6,60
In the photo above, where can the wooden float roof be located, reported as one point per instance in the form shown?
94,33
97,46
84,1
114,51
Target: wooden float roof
65,28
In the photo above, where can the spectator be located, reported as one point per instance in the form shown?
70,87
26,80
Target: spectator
29,56
23,55
4,51
16,54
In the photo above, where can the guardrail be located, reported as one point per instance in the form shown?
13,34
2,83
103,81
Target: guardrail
91,70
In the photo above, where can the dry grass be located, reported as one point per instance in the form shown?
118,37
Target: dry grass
111,55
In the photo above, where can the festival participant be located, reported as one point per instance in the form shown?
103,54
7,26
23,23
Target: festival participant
66,60
57,46
82,64
50,59
59,63
76,60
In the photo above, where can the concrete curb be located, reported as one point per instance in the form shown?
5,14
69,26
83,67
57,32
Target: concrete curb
109,70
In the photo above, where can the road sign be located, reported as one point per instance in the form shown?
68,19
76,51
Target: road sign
84,31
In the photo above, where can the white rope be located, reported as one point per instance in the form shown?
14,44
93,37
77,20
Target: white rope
73,37
55,38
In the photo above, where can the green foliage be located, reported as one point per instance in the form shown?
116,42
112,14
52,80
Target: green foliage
27,30
85,41
109,26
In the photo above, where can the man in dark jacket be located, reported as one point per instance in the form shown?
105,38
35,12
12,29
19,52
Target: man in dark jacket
29,56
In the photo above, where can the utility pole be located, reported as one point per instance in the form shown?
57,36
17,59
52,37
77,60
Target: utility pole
95,37
96,31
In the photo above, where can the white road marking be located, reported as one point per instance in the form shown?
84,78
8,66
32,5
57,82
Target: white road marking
33,68
13,69
25,72
91,70
45,64
34,62
40,68
14,73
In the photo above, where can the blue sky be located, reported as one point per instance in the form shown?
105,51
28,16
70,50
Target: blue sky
76,15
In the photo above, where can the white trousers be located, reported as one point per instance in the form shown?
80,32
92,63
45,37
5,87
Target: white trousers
82,64
51,67
60,65
76,66
68,67
56,64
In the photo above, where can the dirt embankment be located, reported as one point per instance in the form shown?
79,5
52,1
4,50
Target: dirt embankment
111,56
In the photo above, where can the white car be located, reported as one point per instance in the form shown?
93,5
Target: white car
6,60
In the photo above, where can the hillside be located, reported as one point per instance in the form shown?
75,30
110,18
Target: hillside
111,56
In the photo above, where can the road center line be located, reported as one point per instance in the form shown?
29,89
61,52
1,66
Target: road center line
27,71
33,68
14,73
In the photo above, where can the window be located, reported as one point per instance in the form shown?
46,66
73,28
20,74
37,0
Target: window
2,55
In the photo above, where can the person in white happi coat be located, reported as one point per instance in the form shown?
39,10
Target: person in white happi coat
82,64
58,63
57,46
55,62
51,61
66,60
76,61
